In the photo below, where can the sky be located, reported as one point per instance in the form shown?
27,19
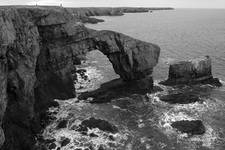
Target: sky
120,3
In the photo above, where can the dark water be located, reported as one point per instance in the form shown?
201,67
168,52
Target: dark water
144,122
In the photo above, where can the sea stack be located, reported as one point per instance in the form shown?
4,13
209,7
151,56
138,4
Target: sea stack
194,71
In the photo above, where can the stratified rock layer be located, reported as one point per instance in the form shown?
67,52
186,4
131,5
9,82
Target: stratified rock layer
131,59
39,50
194,71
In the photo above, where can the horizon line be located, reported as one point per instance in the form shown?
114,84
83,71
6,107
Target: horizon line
119,6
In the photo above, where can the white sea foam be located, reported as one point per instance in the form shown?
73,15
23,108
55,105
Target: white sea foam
94,76
193,111
168,61
77,140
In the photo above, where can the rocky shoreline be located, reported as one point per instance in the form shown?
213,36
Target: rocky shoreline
86,14
91,110
40,48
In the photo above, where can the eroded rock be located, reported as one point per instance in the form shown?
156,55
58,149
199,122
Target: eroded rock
191,127
181,98
194,71
65,142
131,59
62,124
97,123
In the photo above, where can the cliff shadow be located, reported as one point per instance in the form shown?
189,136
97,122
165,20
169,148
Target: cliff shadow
116,89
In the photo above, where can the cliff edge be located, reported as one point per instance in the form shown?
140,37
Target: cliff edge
40,47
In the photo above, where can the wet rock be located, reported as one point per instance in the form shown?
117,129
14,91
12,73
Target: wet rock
93,135
195,71
180,98
49,141
82,129
97,123
62,124
82,73
52,146
46,118
117,88
101,147
192,127
65,142
111,138
53,104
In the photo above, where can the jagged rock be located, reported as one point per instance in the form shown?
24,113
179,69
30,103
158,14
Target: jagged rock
52,146
40,47
194,71
62,124
65,142
97,123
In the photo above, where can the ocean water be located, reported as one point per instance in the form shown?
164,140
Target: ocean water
143,120
181,34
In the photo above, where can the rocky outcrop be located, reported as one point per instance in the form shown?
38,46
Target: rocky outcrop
39,50
194,71
131,59
190,127
84,14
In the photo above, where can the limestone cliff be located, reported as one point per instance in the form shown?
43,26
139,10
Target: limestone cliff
39,50
194,71
85,14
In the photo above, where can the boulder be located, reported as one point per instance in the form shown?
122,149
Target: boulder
195,71
191,127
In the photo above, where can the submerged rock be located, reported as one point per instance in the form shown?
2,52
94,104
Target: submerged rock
52,146
97,123
180,98
117,88
62,124
194,71
192,127
65,142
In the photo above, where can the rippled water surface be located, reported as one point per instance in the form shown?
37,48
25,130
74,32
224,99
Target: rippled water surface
142,120
181,34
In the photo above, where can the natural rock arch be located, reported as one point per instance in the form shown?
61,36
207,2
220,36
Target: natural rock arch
132,59
40,48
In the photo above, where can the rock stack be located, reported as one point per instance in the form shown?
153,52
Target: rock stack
193,71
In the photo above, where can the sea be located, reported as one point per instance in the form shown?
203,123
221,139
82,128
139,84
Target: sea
143,121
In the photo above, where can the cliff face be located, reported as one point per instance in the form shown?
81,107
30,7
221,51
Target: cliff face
39,50
19,50
84,14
